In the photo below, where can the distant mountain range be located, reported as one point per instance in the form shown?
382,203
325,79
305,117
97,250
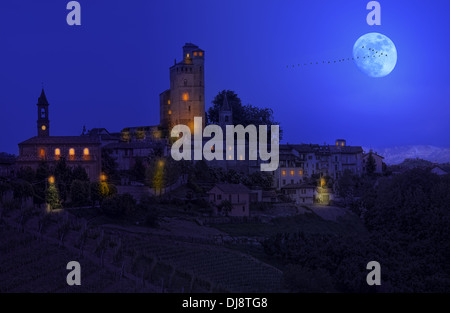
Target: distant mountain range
397,155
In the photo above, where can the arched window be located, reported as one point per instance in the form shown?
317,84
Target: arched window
71,153
42,113
187,55
185,96
42,153
86,151
170,112
168,101
185,82
292,172
57,152
195,53
200,53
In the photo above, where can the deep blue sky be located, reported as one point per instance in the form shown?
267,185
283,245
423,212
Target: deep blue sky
109,71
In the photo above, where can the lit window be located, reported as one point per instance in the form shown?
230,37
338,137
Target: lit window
170,112
240,157
57,152
43,127
342,144
200,53
292,172
86,151
168,101
283,173
42,153
187,55
185,96
71,153
300,172
195,54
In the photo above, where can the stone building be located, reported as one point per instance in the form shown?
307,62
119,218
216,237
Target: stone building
237,194
300,162
77,150
186,97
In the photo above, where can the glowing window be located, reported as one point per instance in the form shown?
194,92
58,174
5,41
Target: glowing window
185,96
72,152
168,101
43,127
170,112
86,151
42,153
195,54
57,152
200,53
292,172
283,173
240,157
187,55
300,172
342,144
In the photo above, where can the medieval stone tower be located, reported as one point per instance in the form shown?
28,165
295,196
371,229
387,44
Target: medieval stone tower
186,97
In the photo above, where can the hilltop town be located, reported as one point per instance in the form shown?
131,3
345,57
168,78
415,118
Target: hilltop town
140,221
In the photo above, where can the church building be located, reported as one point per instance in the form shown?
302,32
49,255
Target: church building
77,150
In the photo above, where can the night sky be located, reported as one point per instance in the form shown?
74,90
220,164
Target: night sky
109,71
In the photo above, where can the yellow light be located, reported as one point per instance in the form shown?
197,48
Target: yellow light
42,153
86,151
168,101
322,182
200,53
170,112
71,151
240,157
161,163
283,173
57,152
229,148
195,54
187,55
185,96
51,179
103,177
292,172
300,172
43,127
342,144
229,157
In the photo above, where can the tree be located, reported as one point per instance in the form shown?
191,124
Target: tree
371,165
79,173
138,170
63,178
52,197
109,164
242,115
79,192
225,207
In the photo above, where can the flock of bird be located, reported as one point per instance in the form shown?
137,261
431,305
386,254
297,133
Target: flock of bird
374,54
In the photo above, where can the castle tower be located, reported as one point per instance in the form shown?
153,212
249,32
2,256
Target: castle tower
43,123
225,113
186,97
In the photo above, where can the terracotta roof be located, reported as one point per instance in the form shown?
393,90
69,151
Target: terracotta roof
131,145
232,188
298,186
61,140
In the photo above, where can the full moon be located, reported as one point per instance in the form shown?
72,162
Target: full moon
375,54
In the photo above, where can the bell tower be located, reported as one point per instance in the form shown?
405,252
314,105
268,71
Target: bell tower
225,113
43,123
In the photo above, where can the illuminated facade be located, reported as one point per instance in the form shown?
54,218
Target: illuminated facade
77,150
299,162
186,97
